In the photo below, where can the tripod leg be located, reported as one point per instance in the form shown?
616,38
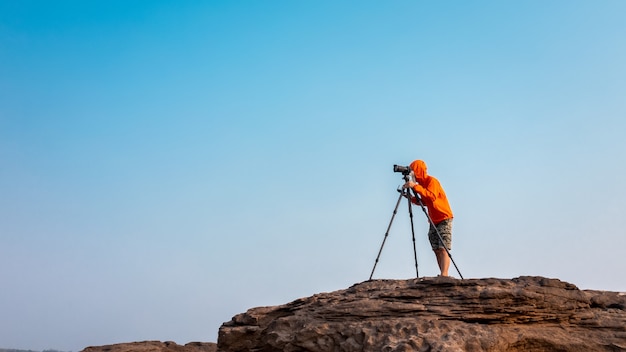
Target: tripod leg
395,211
438,234
413,233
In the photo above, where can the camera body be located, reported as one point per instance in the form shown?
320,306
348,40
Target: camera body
405,170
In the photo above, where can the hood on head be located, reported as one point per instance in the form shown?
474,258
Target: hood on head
419,169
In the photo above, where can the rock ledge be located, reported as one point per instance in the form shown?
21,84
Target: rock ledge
154,346
437,314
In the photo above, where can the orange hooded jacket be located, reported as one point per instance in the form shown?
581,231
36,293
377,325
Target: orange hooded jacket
431,192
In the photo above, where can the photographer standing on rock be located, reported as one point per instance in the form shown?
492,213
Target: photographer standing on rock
434,198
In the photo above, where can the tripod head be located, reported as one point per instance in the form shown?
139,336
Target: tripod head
407,175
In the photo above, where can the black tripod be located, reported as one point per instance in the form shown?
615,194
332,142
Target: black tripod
404,192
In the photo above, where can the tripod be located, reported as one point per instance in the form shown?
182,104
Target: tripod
406,193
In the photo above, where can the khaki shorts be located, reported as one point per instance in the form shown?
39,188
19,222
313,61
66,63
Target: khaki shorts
445,230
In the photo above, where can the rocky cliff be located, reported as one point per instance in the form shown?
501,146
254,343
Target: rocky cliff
437,314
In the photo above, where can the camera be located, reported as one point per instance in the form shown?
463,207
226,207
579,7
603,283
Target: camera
405,170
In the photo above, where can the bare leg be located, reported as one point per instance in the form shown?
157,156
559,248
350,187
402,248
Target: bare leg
443,260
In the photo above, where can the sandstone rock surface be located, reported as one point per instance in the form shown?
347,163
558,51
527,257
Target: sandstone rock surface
154,346
437,314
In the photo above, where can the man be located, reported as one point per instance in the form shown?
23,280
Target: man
434,198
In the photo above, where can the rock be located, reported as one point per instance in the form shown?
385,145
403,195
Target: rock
437,314
155,346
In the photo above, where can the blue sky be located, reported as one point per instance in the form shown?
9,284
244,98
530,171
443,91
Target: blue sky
167,165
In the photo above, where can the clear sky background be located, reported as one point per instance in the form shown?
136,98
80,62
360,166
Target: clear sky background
165,165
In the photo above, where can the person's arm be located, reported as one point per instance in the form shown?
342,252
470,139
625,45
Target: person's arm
421,190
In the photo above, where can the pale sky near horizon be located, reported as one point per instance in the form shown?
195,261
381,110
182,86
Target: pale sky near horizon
165,165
